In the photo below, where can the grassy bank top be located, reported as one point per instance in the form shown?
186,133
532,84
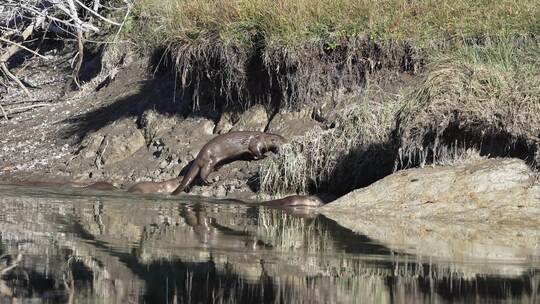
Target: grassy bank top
290,23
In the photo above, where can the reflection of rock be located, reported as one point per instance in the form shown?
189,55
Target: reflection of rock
253,119
487,209
289,124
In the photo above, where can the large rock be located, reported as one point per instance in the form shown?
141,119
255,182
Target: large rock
487,208
253,119
290,124
121,142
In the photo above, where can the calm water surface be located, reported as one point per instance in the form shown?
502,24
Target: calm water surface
98,247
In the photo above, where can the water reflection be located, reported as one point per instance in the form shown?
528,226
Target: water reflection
99,247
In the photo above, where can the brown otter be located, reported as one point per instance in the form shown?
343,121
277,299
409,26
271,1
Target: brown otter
96,186
295,201
85,185
226,147
156,187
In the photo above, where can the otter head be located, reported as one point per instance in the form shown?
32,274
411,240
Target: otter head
275,141
312,201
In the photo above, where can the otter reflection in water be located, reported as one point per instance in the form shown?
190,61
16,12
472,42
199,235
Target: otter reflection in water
213,235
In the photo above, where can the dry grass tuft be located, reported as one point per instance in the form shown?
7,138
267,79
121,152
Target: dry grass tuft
490,92
339,159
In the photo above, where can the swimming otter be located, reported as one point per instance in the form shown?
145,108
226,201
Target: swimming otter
229,146
156,187
96,186
84,185
295,201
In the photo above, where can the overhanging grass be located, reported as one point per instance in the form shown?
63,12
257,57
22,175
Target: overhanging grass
489,91
352,153
487,95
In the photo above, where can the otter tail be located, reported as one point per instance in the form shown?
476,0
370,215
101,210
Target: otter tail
188,179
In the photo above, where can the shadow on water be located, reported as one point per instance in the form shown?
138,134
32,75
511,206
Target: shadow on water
89,248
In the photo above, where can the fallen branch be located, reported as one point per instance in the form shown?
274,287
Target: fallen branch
26,108
4,112
12,50
96,14
12,266
8,74
22,47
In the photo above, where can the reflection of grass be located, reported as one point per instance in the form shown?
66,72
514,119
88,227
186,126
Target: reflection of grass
287,232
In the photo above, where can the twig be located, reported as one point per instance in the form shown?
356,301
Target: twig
80,38
4,112
96,14
123,22
11,111
23,47
13,265
14,78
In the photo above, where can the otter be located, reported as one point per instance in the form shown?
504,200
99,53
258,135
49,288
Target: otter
295,201
229,146
105,186
84,185
156,187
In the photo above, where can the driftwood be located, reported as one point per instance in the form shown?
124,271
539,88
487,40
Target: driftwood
20,19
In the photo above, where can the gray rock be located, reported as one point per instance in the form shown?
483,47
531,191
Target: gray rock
487,208
290,124
122,142
225,124
254,119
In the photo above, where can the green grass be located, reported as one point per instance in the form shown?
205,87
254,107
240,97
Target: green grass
284,23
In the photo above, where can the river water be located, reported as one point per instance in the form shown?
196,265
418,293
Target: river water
78,246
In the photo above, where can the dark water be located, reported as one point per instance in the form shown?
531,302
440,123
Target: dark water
99,247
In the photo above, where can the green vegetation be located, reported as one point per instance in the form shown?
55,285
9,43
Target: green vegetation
289,24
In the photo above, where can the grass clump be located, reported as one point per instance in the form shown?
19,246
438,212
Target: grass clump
484,95
355,152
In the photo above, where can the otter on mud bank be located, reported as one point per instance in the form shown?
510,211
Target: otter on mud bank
226,147
156,187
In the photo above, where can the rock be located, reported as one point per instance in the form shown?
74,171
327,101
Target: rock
254,119
123,141
474,209
488,183
90,145
290,124
225,124
152,123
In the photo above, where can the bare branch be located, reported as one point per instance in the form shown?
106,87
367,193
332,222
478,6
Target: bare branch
22,47
14,78
96,14
4,112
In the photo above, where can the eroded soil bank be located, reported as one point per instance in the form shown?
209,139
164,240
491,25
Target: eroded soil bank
133,121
